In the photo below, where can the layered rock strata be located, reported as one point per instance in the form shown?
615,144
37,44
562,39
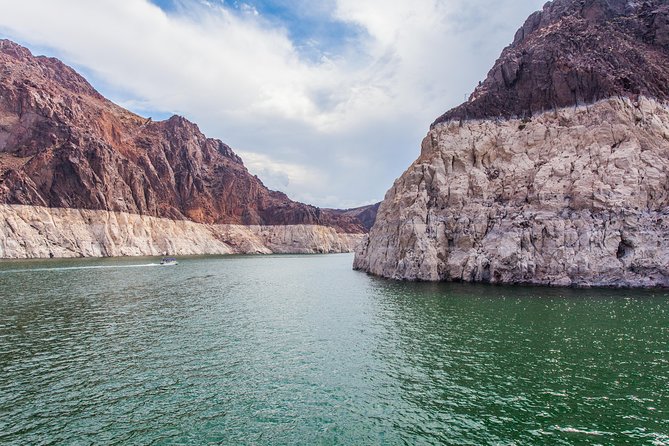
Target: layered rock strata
39,232
555,171
572,197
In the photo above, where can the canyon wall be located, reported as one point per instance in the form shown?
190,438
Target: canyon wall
555,171
578,196
38,232
81,176
63,145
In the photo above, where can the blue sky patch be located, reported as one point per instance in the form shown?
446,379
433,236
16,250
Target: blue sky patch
310,25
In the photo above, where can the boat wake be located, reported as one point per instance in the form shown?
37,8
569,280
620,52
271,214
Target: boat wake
70,268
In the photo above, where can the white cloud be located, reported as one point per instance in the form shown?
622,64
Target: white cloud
277,175
333,131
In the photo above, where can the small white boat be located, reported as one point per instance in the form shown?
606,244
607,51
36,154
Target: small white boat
169,261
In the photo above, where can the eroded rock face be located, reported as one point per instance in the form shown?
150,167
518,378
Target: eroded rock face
573,197
38,232
63,145
576,52
556,171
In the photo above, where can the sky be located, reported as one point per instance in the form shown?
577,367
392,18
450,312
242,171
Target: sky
325,100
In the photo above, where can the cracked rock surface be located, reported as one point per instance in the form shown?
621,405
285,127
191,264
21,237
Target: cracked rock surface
578,196
555,171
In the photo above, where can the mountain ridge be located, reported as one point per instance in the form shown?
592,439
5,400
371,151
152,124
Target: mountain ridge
63,145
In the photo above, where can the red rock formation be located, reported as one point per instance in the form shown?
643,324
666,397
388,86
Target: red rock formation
576,52
64,145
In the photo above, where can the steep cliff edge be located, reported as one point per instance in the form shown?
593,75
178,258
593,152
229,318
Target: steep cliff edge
568,196
63,145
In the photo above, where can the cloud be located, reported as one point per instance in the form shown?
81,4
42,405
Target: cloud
278,175
332,127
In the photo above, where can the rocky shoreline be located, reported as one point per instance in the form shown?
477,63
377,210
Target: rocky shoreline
39,232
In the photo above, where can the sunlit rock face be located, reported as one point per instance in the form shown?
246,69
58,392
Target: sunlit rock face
559,195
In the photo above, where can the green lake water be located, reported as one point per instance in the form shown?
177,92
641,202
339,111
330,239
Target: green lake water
301,350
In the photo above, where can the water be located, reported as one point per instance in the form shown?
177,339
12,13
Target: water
300,350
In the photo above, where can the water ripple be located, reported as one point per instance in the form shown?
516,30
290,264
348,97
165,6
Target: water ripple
302,350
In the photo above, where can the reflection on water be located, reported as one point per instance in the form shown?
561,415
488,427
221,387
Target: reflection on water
302,350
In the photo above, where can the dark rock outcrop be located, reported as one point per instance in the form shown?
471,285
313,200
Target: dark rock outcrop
576,52
63,145
365,214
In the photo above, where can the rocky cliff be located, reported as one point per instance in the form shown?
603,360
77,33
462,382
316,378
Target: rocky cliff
39,232
574,195
64,146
